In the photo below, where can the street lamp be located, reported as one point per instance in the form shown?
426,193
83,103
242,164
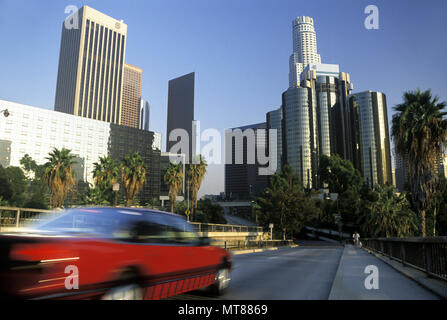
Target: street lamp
5,113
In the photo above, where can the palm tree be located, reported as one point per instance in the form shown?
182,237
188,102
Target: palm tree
174,179
105,171
105,174
390,215
133,176
59,175
420,133
196,173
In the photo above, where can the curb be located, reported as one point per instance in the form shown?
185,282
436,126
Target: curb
338,279
438,287
260,250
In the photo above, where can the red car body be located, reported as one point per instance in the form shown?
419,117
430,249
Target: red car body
41,265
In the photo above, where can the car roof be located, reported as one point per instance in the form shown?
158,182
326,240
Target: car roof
139,210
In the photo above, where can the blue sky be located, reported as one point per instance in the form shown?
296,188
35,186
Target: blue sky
239,50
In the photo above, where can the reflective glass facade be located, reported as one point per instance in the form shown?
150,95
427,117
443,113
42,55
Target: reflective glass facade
374,137
242,180
274,121
300,132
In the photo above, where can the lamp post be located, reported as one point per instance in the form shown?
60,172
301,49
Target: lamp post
116,188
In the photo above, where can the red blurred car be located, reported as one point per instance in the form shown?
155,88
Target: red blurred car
110,253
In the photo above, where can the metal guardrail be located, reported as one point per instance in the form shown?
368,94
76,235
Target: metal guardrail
210,227
250,244
425,254
18,217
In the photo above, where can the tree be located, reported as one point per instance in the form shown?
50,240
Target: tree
196,174
105,174
419,131
37,191
174,179
5,186
389,216
18,184
285,204
133,176
59,175
339,174
342,178
207,211
438,207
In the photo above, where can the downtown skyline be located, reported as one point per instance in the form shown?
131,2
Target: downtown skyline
255,92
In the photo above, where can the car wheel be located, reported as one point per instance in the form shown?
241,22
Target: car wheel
125,292
222,282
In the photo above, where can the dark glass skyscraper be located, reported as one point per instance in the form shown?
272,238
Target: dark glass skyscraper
242,180
181,109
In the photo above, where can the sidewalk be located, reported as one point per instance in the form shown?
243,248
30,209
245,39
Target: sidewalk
349,282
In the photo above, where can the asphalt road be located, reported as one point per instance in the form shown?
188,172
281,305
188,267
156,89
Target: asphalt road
308,273
286,274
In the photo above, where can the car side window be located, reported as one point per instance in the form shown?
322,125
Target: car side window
181,232
141,231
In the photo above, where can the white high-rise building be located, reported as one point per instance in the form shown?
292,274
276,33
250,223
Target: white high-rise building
304,48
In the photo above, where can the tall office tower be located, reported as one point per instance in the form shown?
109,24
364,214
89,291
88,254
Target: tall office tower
242,180
337,120
145,114
181,109
304,48
374,137
274,121
300,133
401,171
131,101
91,66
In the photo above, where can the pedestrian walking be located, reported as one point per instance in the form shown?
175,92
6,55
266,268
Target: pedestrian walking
356,237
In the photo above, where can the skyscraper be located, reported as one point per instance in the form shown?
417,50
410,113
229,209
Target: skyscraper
337,122
374,137
401,171
145,114
91,66
304,48
181,109
274,121
242,180
300,135
131,101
